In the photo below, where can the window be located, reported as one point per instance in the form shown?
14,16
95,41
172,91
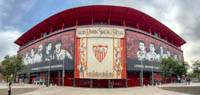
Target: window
84,82
44,34
155,34
100,23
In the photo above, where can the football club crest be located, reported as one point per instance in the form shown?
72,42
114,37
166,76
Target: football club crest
100,52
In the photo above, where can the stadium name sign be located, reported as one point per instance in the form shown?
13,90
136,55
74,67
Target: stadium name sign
100,32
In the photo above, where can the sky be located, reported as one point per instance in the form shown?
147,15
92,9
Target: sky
181,16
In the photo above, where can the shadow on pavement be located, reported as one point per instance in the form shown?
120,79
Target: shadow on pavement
194,90
16,91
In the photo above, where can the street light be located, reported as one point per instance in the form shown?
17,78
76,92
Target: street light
49,73
152,71
141,74
63,76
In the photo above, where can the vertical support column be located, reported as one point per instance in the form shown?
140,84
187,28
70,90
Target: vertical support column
108,21
63,76
63,26
29,77
159,77
124,23
138,26
156,76
46,78
59,78
23,77
91,83
141,78
41,35
141,75
49,73
150,31
74,82
51,30
40,75
152,74
15,78
43,77
126,83
109,83
92,21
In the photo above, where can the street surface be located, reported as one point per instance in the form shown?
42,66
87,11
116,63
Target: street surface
167,89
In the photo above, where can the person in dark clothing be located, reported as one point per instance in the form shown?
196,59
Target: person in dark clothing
189,80
9,88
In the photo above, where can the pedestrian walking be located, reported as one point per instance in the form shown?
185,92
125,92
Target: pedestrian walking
189,80
185,79
9,88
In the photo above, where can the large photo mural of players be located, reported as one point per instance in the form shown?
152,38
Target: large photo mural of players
146,52
52,52
100,53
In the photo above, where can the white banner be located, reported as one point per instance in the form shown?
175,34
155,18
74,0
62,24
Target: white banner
100,32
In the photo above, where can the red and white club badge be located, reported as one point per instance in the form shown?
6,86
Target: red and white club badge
100,52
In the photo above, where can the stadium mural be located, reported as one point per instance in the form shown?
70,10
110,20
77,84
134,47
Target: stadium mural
144,51
54,51
100,53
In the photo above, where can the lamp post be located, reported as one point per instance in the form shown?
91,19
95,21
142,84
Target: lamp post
152,71
63,76
49,73
141,74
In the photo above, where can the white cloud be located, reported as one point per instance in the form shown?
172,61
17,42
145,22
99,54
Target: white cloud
12,13
7,38
179,15
169,12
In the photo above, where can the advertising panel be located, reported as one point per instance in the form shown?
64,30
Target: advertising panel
146,52
100,53
50,53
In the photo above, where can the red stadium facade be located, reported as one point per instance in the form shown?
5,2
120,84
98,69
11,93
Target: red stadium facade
97,46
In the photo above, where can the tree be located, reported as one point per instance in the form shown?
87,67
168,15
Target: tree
196,68
167,66
170,66
6,67
191,75
11,65
181,69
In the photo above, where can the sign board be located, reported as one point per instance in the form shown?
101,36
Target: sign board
100,53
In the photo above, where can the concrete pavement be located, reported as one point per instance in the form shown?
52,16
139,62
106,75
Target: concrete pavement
167,89
151,90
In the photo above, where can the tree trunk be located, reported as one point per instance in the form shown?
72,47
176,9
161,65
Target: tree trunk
14,77
7,79
199,76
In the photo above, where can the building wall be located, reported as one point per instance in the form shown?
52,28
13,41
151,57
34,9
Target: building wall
144,49
54,50
66,47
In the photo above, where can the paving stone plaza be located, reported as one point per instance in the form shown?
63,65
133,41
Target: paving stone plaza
166,89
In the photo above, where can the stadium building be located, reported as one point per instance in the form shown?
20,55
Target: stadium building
97,46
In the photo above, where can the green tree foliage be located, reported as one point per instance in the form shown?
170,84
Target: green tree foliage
191,75
170,66
167,66
10,66
181,69
196,68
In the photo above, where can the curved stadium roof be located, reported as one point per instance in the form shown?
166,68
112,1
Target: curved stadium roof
114,15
